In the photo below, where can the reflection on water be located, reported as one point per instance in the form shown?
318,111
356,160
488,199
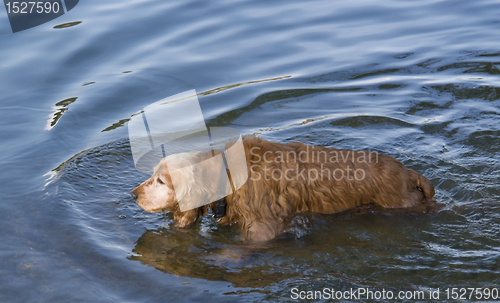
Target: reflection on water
311,243
205,93
59,108
69,24
184,256
415,80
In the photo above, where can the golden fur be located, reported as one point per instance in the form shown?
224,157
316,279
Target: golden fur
285,179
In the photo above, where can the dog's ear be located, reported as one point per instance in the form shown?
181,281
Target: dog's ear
184,180
190,185
198,179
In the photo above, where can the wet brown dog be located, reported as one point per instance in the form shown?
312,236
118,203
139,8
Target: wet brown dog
288,179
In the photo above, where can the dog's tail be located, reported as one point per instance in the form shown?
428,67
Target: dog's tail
423,184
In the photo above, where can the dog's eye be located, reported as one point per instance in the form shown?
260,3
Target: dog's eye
160,181
419,189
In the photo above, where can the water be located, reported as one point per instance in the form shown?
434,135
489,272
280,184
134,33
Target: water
415,80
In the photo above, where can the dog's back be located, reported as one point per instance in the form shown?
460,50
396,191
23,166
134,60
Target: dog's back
285,179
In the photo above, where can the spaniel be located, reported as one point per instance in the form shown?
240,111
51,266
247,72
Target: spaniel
284,179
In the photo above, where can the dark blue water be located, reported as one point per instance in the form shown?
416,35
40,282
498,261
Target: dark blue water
418,80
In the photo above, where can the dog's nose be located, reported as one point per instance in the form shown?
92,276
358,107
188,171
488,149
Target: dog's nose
134,195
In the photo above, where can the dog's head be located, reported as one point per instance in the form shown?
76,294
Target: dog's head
157,194
189,178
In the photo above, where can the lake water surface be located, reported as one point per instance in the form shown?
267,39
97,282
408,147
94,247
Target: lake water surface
418,80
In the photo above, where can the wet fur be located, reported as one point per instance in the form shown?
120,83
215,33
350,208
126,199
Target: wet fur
261,206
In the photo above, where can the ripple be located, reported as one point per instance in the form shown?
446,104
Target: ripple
60,107
69,24
415,80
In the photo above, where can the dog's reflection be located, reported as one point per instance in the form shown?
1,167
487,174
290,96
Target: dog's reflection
212,252
193,256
